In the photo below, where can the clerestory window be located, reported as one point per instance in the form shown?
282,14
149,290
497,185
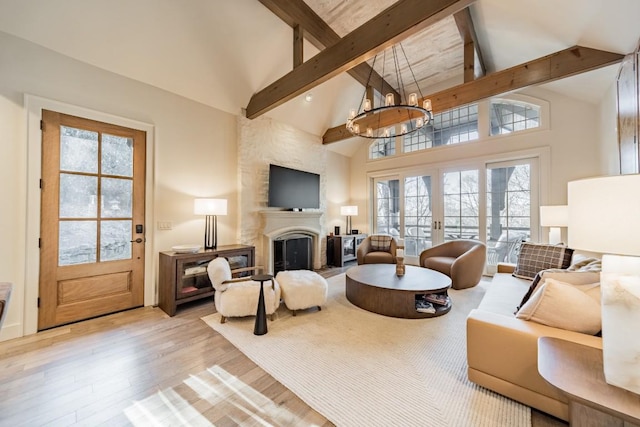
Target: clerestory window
448,127
508,116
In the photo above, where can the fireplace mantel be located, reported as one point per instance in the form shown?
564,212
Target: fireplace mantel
281,223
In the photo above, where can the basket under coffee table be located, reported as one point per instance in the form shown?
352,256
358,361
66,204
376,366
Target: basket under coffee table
376,288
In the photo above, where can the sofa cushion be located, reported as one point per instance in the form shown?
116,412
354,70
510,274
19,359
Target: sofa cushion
502,293
381,242
562,305
534,258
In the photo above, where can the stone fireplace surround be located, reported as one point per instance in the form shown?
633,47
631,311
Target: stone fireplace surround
278,224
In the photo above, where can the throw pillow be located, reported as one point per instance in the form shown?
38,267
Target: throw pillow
534,258
586,270
381,242
561,305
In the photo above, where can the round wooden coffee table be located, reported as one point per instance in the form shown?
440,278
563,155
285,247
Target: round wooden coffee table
376,288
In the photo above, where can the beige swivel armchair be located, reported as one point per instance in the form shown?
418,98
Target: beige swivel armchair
239,297
377,249
462,260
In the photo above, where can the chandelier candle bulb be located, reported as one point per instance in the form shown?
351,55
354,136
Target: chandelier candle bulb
403,128
367,104
388,100
419,122
427,105
413,99
356,128
352,113
369,132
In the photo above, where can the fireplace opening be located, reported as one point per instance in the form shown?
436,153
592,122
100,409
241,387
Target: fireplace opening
293,252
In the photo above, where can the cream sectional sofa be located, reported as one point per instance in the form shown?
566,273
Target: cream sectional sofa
502,351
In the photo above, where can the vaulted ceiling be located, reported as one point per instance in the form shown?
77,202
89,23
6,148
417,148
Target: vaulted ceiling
223,53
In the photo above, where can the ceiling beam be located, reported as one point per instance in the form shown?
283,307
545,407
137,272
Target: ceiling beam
565,63
396,23
298,49
296,13
472,49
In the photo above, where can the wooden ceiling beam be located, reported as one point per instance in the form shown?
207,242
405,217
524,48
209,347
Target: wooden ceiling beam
565,63
296,13
298,49
396,23
472,51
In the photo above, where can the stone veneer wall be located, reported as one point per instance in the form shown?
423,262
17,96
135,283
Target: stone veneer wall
263,141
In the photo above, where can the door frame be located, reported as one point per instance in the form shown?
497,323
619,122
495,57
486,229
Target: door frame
34,106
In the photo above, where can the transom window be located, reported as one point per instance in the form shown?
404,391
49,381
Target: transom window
449,127
509,116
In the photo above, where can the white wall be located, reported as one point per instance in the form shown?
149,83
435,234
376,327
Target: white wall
194,147
608,131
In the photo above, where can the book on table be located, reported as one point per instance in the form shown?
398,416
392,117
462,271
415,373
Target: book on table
423,306
438,299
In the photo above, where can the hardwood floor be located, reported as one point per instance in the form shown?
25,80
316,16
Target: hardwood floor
142,367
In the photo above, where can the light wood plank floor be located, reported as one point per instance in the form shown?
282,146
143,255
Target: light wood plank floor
142,367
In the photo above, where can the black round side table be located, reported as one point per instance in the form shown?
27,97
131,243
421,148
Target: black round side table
260,327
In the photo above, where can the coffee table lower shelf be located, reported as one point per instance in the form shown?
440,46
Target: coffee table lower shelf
376,288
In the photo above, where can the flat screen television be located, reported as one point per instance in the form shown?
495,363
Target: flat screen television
293,189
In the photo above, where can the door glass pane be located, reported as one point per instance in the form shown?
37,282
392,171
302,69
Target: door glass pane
117,155
117,195
508,211
115,240
461,205
77,242
78,150
388,207
78,196
418,215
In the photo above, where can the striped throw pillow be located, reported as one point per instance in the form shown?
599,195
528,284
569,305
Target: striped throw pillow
381,242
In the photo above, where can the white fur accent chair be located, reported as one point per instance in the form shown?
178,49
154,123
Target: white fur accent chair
239,297
302,289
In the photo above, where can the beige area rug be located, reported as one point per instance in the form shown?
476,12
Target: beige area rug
361,369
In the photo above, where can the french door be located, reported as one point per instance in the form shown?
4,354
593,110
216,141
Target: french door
92,219
495,203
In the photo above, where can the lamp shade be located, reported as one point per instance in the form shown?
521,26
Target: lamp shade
554,216
210,206
348,210
604,214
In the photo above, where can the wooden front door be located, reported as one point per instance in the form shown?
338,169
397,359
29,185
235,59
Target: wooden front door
92,219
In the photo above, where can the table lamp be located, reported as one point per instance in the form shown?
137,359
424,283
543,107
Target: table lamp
211,208
348,211
554,217
604,217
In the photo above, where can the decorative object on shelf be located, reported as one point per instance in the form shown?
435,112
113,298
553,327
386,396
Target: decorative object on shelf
400,262
393,117
185,249
348,211
603,217
554,217
336,230
211,208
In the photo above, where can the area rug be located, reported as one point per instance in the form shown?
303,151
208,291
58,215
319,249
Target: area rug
358,368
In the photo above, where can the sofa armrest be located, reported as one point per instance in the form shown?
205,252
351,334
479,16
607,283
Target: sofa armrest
507,348
504,267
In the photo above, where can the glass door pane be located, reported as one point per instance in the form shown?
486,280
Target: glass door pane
461,198
387,202
508,211
418,214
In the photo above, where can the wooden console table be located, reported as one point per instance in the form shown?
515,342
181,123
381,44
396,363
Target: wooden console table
183,277
576,370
